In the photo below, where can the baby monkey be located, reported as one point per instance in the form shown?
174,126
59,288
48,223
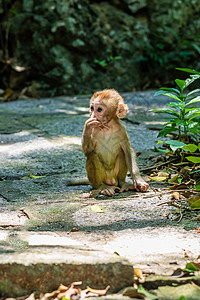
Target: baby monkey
107,147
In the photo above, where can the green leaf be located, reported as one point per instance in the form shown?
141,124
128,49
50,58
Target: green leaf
194,159
160,150
176,105
147,294
190,147
193,92
194,100
166,130
193,117
196,47
185,83
180,83
198,186
190,80
168,94
191,71
182,298
174,145
167,111
191,111
170,90
190,267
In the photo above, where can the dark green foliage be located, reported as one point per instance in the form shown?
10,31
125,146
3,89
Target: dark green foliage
79,46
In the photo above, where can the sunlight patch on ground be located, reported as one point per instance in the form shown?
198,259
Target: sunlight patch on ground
49,240
35,144
162,242
154,122
68,112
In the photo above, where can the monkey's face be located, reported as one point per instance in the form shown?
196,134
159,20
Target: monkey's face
100,111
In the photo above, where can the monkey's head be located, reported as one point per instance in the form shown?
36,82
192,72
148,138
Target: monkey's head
107,104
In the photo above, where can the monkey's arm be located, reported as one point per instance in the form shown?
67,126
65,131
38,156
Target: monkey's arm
131,160
130,157
88,144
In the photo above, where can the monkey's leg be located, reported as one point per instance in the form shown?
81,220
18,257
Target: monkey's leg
95,170
97,175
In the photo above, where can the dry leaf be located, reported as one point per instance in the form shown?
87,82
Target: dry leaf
35,176
138,272
157,178
31,297
98,292
62,288
180,186
163,174
175,195
139,275
133,293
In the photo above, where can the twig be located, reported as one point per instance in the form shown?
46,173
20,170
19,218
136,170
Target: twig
159,165
5,198
181,216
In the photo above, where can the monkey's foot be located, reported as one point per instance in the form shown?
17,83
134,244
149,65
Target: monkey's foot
141,185
125,187
109,190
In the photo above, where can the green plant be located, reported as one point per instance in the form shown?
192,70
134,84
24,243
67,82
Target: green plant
189,156
183,120
105,62
189,151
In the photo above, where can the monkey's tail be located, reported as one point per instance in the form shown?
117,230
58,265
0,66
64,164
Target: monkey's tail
78,181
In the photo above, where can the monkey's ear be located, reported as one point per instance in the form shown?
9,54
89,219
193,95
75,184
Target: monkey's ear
121,110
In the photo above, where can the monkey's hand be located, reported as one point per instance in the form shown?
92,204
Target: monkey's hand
125,187
91,123
87,141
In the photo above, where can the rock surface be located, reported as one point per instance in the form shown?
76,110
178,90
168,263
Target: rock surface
46,226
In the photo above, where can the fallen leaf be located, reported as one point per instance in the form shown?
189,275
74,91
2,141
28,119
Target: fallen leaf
139,275
175,195
132,293
147,294
163,174
62,288
35,176
31,297
174,178
96,208
192,267
180,186
157,178
178,273
98,292
194,202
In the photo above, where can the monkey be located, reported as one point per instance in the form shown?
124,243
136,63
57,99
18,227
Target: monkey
106,145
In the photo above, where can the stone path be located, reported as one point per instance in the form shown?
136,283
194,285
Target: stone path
48,232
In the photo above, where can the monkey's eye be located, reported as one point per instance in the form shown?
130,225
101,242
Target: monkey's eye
92,108
99,109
